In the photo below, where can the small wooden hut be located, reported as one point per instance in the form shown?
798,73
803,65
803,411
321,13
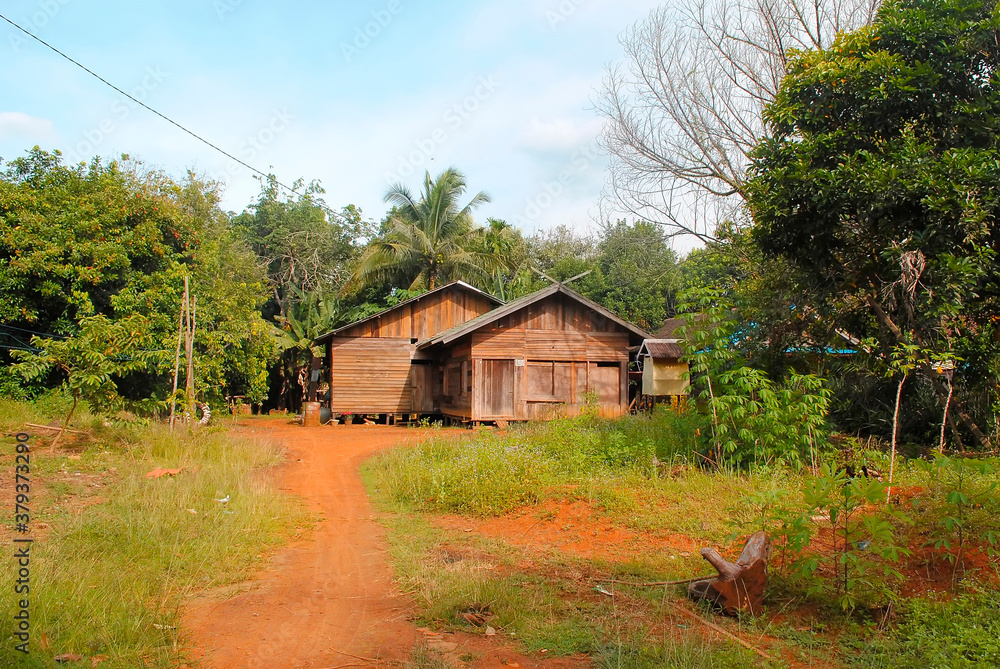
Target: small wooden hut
538,356
664,374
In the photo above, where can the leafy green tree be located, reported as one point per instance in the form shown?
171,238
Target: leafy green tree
306,249
510,275
116,240
640,273
880,185
303,244
427,239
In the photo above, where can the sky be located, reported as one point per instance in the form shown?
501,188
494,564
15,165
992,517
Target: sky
357,95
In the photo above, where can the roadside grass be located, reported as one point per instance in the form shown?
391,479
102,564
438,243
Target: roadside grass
116,553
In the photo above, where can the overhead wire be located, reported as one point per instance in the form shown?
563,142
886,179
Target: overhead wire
147,107
34,332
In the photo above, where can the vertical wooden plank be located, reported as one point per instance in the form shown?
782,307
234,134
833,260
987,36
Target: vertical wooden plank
623,374
572,383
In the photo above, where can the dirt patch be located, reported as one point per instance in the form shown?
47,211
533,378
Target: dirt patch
572,527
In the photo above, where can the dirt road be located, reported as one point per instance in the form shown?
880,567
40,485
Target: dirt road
325,599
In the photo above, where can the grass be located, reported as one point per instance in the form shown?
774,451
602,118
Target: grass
122,552
958,633
610,465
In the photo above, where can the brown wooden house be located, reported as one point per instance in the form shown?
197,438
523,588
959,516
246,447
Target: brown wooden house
462,354
373,366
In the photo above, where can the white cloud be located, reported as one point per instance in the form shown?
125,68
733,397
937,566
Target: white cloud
25,128
560,134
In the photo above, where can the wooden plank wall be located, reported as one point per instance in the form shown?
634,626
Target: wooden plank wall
425,317
558,350
373,375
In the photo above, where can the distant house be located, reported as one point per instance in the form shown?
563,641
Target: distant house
664,374
535,357
544,354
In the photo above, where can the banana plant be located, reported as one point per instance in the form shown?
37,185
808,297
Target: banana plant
309,316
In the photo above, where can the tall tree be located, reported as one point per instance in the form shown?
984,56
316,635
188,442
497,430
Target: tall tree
880,184
427,239
684,112
306,249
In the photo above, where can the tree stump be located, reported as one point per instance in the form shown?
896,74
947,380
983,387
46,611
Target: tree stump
740,586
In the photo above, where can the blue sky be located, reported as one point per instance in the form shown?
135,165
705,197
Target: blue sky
355,94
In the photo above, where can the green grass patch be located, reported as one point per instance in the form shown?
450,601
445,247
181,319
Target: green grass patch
960,633
123,552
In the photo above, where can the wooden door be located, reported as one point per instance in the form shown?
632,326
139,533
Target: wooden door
606,380
422,387
496,386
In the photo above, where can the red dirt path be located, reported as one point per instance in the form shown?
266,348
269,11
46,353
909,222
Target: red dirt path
329,601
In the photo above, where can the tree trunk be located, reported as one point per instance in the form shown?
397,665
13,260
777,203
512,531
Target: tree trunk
69,416
925,367
740,587
895,431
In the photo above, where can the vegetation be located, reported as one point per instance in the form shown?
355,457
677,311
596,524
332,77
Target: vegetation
120,551
843,557
840,317
428,238
109,245
877,184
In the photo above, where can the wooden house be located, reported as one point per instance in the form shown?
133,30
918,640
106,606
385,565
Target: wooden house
541,355
463,354
664,374
373,365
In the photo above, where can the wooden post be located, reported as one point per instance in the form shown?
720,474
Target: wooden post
189,386
328,357
177,358
314,365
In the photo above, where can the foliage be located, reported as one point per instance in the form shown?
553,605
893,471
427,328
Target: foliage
92,359
878,184
865,546
122,554
752,419
303,245
511,276
959,633
632,269
116,240
496,473
965,486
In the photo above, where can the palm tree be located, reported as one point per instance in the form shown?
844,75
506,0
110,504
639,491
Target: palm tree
504,242
427,239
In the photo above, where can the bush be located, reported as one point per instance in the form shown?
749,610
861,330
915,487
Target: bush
964,632
493,473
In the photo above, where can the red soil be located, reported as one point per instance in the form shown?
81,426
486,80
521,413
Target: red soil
574,528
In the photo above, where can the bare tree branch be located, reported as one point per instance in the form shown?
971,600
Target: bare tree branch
684,112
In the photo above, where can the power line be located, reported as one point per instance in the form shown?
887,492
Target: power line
34,332
145,106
